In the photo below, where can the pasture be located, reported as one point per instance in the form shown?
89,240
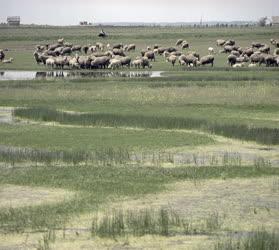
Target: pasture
188,160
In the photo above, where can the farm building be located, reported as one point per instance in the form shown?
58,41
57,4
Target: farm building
13,20
275,20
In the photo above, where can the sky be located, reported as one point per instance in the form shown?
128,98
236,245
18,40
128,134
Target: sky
70,12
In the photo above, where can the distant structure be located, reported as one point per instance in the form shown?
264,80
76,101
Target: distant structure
85,23
13,20
275,20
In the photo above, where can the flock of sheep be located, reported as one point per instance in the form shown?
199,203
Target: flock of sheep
100,56
257,53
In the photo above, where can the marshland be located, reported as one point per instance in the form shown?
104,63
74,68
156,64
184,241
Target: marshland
185,159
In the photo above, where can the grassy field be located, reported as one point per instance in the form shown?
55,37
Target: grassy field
114,146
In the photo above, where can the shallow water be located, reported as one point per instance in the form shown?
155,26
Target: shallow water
31,75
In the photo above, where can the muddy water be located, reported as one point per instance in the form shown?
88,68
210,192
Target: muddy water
31,75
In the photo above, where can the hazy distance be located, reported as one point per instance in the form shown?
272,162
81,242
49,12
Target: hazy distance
71,12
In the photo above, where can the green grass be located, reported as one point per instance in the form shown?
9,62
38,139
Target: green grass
258,240
239,131
86,139
97,185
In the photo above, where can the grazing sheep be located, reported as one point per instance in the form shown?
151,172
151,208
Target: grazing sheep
166,54
257,58
161,50
93,49
118,52
207,60
187,60
220,42
239,65
60,41
265,49
126,61
211,50
155,51
100,46
148,48
66,51
118,46
131,47
270,61
185,45
172,59
114,64
100,62
137,63
8,60
235,52
232,59
257,45
76,48
85,49
146,63
276,52
179,42
73,62
176,53
252,65
150,55
53,46
229,43
84,62
171,49
228,49
248,52
60,62
156,46
242,59
50,62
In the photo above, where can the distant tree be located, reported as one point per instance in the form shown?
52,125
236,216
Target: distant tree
262,21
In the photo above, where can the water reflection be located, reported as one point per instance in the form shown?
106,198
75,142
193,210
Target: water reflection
30,75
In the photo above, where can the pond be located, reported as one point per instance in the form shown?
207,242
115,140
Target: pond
31,75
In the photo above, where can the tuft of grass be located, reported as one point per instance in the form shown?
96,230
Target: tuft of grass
258,240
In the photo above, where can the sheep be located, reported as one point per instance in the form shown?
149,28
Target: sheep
50,62
131,47
118,46
156,46
185,45
242,59
148,48
276,52
114,64
171,49
68,45
270,60
76,48
150,55
137,63
126,61
248,52
228,49
73,62
100,46
257,45
265,49
211,50
118,52
239,65
60,41
195,54
235,52
166,54
53,46
229,43
161,50
146,63
257,58
155,51
85,49
66,51
8,60
60,62
176,53
93,49
207,60
100,62
172,59
179,42
84,62
232,59
220,42
187,60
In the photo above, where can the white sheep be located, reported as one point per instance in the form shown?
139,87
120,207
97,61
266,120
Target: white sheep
50,62
211,50
114,64
239,65
252,65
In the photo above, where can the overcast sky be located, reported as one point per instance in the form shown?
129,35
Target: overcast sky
69,12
